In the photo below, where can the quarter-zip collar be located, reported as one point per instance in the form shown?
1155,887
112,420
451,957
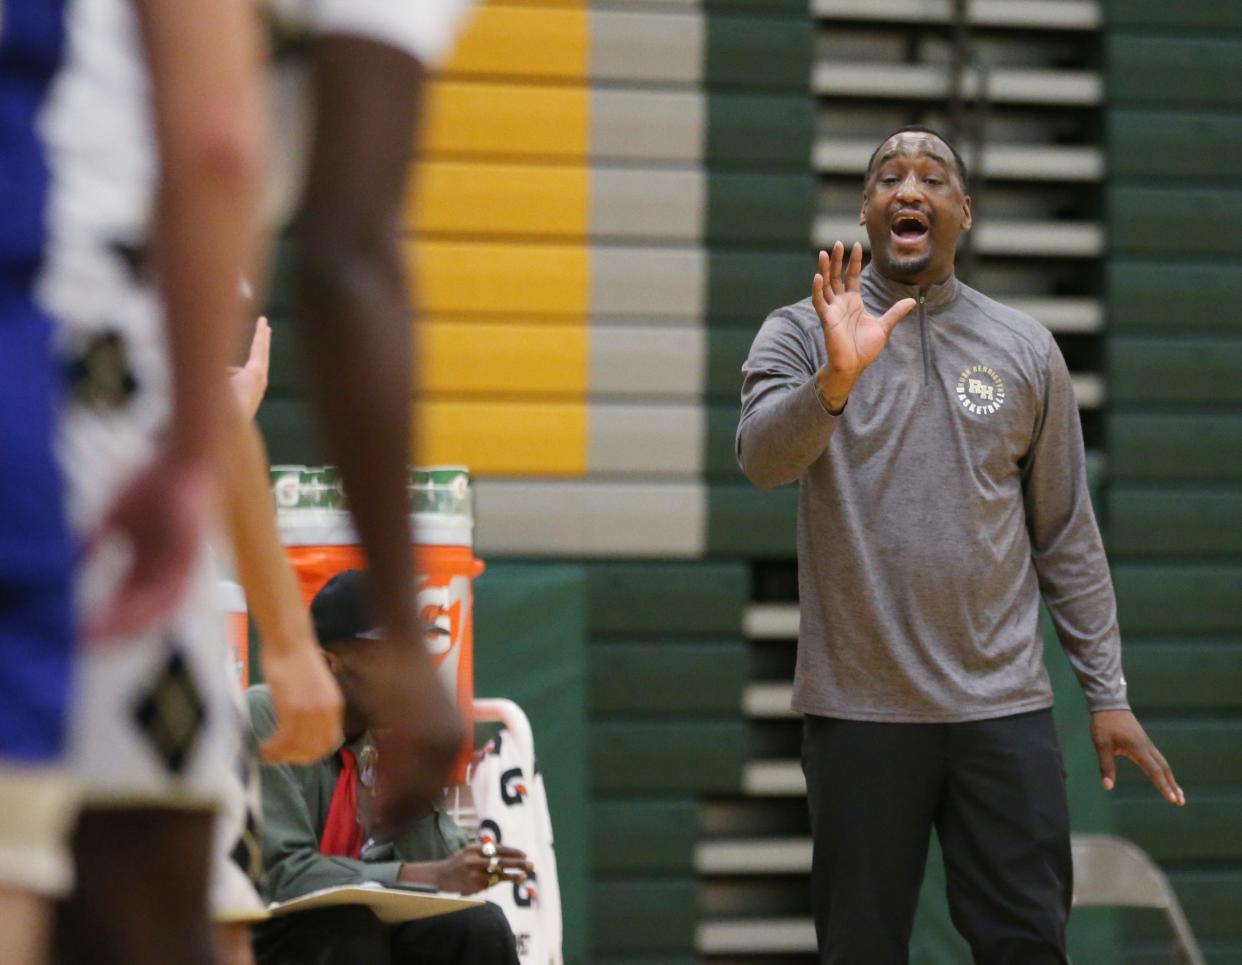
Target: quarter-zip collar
887,292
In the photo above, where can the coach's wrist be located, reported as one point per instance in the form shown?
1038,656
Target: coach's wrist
833,390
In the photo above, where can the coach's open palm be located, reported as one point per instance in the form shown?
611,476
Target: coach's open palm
853,337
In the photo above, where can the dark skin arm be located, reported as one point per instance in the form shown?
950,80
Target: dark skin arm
353,311
465,872
1117,733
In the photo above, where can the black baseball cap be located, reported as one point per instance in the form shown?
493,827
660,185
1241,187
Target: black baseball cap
341,610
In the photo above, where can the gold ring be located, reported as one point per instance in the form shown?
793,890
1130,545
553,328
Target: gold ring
493,881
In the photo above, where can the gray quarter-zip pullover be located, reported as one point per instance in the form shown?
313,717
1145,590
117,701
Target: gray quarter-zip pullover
933,511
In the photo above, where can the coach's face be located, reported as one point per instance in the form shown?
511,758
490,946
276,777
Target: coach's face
914,207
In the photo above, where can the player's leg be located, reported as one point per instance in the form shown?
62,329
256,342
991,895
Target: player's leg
871,789
233,945
153,860
1004,828
24,923
37,800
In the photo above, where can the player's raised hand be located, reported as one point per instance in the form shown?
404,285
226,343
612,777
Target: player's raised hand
249,381
853,337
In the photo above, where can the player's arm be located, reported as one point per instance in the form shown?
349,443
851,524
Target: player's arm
306,699
1069,559
354,310
203,63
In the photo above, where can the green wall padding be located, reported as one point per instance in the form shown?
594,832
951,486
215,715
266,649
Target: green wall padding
651,914
530,632
1172,370
772,131
636,835
1190,72
744,286
1204,446
1206,298
694,755
1186,598
1152,144
630,599
1169,521
645,677
754,208
758,53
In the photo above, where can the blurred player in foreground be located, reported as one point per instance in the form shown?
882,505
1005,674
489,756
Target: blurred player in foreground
353,71
36,554
155,727
135,243
943,488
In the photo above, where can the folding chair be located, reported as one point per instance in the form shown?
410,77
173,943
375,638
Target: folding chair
1113,872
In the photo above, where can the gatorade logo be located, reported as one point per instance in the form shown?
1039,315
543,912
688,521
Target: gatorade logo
489,830
440,614
525,892
512,790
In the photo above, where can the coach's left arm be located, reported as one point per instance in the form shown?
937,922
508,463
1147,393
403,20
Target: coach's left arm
1069,559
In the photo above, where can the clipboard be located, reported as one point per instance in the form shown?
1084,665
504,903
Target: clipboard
390,905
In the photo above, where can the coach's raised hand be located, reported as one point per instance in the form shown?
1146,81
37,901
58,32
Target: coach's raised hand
852,337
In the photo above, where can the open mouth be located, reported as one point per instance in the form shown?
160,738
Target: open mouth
909,228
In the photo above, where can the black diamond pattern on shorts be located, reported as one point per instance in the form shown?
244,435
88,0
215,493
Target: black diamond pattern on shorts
247,853
100,376
171,713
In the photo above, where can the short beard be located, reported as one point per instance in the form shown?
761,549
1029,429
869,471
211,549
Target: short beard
899,267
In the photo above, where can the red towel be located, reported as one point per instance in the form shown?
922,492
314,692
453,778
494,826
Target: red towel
342,834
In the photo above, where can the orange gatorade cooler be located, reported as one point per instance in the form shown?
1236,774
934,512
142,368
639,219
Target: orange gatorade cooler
319,537
237,627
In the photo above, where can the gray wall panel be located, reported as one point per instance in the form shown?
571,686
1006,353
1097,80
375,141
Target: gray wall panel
648,439
648,204
591,519
664,47
648,282
643,360
652,125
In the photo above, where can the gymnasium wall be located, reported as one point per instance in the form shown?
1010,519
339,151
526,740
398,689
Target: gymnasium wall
1174,441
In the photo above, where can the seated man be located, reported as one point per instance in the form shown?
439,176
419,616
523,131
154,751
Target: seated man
318,833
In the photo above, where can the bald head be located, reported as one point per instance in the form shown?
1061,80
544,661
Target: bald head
913,141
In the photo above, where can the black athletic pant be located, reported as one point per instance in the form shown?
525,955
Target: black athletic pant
352,935
994,790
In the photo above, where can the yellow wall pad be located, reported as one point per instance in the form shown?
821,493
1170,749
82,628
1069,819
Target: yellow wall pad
510,41
503,438
513,281
575,4
468,198
502,359
495,121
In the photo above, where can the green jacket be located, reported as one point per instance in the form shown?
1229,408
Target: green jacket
295,810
